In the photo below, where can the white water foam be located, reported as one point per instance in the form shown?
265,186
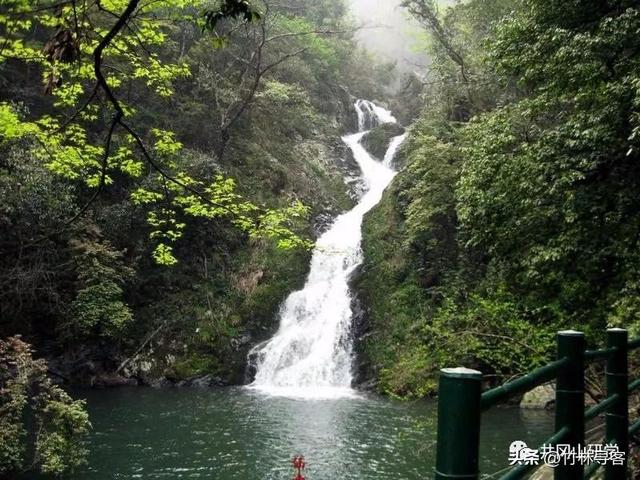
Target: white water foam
370,115
311,354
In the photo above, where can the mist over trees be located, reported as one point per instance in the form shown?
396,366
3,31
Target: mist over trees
390,33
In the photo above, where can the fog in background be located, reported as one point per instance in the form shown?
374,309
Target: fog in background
389,32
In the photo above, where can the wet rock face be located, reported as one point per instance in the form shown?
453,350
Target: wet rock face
112,380
322,222
89,365
352,176
364,374
205,381
377,140
354,185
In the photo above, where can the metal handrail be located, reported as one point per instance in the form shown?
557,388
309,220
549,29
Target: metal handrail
601,407
633,429
633,344
633,385
598,354
522,384
461,402
591,469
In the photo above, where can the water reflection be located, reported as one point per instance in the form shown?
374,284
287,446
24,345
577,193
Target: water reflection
233,434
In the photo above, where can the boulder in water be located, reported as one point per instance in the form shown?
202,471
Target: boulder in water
541,397
377,140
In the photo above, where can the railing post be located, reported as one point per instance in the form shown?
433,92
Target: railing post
617,418
570,398
458,424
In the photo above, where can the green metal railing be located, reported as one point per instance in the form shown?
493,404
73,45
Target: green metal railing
461,402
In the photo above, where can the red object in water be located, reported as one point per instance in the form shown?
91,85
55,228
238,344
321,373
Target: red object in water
298,464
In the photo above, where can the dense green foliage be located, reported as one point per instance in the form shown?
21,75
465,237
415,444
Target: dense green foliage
27,395
164,167
518,210
159,196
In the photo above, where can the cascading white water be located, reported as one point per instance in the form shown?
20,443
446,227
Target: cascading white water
392,149
370,115
311,353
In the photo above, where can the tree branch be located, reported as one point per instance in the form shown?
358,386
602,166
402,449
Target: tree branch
424,12
310,32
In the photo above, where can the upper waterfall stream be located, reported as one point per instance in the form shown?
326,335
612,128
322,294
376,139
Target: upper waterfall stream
311,354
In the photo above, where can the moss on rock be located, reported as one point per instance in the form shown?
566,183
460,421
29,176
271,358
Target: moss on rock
388,287
376,141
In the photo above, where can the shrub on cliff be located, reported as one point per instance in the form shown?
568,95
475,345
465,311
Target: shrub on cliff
41,427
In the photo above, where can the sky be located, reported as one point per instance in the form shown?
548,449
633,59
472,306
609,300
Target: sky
389,32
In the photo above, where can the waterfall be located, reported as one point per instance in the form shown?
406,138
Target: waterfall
371,115
390,154
311,354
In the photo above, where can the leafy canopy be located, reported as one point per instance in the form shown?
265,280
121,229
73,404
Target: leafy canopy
95,54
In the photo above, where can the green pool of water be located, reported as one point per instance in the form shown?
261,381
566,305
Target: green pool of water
234,433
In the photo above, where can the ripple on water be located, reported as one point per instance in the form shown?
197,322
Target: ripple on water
230,434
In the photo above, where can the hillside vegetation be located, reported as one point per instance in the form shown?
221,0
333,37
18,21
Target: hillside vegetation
164,170
518,210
